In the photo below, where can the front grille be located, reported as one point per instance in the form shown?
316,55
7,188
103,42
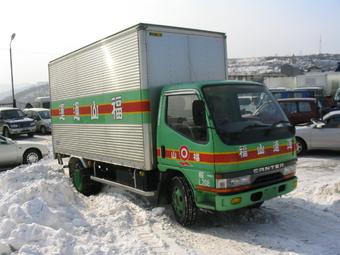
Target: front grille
268,178
24,124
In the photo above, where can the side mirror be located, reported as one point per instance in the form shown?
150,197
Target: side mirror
198,112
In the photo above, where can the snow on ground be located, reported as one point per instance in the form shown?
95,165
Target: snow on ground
41,213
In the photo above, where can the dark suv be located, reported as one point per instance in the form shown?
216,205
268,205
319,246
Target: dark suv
13,121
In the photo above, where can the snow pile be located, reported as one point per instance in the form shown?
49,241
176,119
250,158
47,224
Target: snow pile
320,183
41,213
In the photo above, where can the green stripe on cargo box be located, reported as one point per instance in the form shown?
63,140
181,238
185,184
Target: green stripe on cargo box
126,107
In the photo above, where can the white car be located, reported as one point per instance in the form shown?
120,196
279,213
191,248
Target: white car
323,134
20,152
42,118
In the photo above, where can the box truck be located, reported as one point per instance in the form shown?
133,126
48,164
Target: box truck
149,110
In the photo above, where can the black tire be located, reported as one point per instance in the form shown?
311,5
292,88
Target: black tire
43,130
81,178
5,132
31,156
182,201
301,146
30,134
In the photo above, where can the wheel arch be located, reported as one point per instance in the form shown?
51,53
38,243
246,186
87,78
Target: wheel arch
82,161
4,127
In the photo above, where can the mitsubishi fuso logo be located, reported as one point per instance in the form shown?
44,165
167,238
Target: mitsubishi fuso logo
268,168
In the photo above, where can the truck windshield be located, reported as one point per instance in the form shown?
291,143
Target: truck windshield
246,113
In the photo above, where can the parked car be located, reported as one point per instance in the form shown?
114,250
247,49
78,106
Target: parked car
300,110
20,152
321,134
42,118
13,121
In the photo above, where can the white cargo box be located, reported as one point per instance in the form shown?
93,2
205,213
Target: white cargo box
105,95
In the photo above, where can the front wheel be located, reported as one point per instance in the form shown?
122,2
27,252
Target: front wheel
32,156
182,201
301,147
6,132
43,130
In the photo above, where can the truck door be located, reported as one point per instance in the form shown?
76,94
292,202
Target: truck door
181,143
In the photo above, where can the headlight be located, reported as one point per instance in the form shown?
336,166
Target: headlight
32,124
289,170
233,182
14,125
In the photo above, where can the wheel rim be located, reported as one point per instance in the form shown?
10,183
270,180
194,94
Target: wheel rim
6,133
32,157
298,147
178,201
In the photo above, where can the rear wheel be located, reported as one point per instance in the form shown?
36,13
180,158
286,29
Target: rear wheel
301,146
31,156
30,134
182,201
81,178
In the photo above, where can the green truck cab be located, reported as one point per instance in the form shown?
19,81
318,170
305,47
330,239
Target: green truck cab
226,157
150,110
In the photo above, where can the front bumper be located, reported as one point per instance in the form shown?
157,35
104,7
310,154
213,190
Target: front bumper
26,130
248,198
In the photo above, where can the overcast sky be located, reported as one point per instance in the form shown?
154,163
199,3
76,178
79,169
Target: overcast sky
46,29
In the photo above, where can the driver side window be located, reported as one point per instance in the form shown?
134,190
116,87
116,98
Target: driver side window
180,117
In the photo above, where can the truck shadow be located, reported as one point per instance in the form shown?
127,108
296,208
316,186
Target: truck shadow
283,225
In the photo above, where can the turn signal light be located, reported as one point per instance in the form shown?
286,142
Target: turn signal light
236,200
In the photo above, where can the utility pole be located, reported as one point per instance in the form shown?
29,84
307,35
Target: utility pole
10,56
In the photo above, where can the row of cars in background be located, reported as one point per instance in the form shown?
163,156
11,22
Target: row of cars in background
14,122
317,117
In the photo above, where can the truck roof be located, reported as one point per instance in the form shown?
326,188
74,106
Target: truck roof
141,26
198,85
